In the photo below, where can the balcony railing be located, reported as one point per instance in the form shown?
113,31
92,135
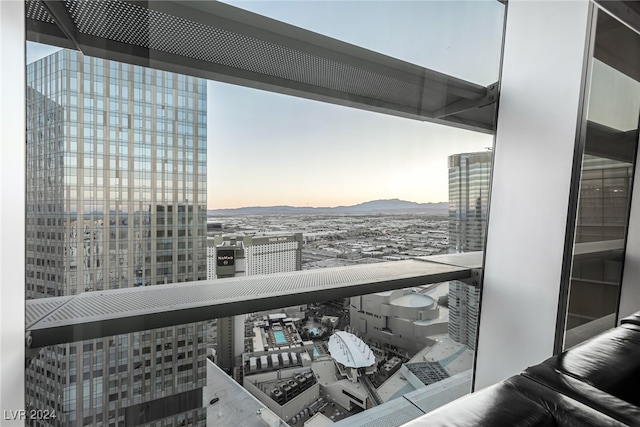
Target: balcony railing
98,314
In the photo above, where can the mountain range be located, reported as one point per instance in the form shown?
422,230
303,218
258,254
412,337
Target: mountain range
386,206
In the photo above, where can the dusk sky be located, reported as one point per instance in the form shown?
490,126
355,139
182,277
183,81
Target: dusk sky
271,149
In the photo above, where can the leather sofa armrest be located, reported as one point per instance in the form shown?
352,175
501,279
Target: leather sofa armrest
634,319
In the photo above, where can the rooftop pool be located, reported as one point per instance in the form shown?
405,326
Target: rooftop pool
280,338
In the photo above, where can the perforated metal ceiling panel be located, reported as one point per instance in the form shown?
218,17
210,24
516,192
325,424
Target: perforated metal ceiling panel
36,11
105,313
217,41
123,22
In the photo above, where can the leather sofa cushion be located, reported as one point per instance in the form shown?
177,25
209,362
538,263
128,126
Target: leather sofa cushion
515,402
608,362
566,411
497,405
585,393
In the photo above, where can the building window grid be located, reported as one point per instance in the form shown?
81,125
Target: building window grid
64,167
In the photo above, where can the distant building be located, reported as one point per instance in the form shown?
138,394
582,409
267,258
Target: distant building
469,177
273,254
291,393
232,256
234,406
400,319
278,369
225,258
275,345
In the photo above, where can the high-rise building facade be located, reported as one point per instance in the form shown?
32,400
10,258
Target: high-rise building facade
469,178
469,175
116,198
274,254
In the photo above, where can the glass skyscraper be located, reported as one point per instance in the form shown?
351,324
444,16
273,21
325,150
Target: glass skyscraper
116,198
469,178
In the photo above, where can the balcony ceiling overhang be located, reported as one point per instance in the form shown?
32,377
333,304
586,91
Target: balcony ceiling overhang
215,41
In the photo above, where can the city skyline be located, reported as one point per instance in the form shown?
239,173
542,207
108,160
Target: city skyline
349,156
268,149
369,156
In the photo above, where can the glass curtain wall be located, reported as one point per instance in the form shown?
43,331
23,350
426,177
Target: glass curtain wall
116,198
606,181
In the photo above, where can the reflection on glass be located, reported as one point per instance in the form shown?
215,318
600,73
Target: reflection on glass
605,185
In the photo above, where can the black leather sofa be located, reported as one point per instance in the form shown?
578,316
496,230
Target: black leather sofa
594,384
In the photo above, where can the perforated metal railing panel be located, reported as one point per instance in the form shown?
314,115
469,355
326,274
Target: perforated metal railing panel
105,313
217,41
44,307
466,259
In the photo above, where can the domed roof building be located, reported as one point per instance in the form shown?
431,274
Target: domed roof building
403,319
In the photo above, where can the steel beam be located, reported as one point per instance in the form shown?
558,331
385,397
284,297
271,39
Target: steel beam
63,20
